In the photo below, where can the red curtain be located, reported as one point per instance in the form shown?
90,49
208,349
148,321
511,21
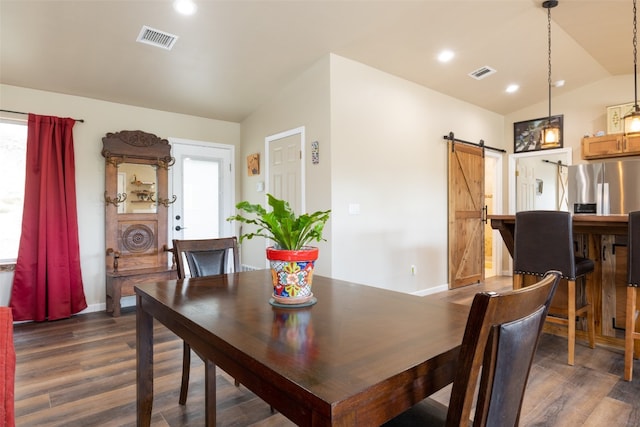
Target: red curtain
48,283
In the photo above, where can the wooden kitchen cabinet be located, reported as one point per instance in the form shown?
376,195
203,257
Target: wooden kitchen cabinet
632,144
614,145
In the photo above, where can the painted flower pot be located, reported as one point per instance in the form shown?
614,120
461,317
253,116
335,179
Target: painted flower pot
292,274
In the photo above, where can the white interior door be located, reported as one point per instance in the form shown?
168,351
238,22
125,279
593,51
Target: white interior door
286,168
525,179
202,181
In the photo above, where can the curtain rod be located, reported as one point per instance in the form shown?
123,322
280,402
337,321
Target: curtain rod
481,144
20,112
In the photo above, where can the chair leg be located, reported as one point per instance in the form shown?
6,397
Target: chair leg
628,334
518,279
571,317
591,321
186,367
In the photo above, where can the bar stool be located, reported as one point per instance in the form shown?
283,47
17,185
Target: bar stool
543,241
633,266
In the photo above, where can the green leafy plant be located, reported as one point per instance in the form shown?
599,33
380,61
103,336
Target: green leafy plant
280,224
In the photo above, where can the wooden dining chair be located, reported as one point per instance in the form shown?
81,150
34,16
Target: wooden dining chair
206,257
498,346
633,266
543,240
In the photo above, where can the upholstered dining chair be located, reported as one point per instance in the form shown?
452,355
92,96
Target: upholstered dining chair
498,347
543,240
633,267
206,257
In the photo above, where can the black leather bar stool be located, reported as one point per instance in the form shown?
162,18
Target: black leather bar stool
633,266
543,241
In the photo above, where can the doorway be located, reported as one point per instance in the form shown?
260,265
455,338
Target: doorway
536,182
202,180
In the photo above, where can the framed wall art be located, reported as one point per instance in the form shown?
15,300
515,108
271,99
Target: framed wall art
253,164
527,135
615,114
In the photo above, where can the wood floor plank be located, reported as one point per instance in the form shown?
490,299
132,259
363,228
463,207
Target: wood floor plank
610,412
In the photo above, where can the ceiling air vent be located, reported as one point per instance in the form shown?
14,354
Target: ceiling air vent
156,38
482,72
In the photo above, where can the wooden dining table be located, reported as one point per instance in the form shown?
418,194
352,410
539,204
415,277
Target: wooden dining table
359,356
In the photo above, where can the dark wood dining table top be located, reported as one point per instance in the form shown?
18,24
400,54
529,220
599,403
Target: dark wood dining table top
359,356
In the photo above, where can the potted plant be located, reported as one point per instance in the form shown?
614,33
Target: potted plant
291,259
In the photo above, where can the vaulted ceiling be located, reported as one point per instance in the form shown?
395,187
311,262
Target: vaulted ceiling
231,56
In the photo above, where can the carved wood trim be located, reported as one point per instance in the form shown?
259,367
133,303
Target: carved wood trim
136,144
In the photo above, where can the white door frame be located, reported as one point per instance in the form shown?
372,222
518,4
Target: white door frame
297,131
497,207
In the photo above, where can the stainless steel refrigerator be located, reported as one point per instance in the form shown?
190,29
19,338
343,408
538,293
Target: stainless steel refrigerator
604,188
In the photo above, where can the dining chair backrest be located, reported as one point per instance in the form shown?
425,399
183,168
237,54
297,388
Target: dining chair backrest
543,241
498,346
634,249
206,257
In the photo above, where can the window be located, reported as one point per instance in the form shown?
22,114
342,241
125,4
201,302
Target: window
13,150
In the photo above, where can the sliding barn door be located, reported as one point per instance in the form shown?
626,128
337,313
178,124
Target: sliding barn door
466,219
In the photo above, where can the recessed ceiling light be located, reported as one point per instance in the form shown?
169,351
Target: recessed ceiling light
445,56
512,88
185,7
558,83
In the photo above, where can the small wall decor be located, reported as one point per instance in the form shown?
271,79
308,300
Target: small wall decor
315,152
527,135
615,113
253,164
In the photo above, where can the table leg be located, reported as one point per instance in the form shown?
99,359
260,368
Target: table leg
144,364
210,392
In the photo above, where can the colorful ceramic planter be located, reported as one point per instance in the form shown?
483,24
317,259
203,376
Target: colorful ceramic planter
292,274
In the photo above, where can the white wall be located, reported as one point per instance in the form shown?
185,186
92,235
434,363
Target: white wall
382,148
389,157
305,102
102,117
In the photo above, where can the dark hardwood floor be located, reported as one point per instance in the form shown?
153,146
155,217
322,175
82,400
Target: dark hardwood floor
81,372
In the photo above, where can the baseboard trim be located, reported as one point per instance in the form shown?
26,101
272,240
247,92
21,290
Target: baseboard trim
429,291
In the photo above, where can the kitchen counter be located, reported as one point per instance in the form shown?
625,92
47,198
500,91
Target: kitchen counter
582,224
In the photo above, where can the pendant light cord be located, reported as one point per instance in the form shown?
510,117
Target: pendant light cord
549,58
635,56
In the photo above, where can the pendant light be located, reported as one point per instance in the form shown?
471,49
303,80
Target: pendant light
551,132
632,120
